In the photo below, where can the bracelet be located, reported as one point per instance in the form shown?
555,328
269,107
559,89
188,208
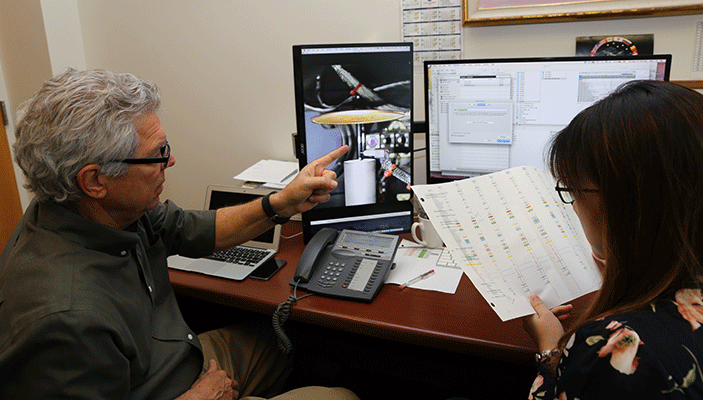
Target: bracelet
269,211
546,355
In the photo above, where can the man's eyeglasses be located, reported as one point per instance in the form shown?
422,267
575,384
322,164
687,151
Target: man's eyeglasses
567,195
165,155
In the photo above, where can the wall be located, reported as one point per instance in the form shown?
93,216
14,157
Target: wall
672,35
225,66
24,62
225,71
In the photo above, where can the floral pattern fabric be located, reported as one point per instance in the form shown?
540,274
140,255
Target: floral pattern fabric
652,353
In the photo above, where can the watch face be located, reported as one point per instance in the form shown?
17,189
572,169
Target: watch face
614,46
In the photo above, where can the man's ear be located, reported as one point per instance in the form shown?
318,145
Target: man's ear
90,181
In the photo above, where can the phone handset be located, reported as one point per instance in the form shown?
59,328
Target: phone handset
308,260
314,249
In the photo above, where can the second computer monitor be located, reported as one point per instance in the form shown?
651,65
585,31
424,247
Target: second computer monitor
488,115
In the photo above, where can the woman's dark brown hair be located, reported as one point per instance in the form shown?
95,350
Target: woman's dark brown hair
642,147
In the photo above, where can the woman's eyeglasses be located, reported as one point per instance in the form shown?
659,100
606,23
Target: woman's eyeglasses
567,195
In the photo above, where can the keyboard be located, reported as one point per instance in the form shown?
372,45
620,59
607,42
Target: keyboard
242,255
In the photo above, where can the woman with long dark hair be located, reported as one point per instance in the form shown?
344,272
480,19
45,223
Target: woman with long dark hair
632,165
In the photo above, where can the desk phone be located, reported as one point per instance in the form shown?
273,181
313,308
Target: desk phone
348,264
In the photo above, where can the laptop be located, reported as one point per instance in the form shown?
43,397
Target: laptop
222,264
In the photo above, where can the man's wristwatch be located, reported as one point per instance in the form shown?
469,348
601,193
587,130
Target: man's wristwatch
546,355
268,210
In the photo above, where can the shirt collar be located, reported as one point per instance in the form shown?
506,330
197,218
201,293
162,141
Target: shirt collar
90,234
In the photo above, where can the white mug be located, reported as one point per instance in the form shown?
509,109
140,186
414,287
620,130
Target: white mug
430,237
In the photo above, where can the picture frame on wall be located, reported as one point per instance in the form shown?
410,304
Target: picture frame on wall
506,12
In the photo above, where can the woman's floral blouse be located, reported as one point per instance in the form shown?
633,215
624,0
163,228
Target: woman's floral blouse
655,352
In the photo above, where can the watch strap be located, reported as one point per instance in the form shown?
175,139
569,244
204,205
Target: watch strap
546,355
268,210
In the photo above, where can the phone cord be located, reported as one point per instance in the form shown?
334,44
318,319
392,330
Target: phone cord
280,316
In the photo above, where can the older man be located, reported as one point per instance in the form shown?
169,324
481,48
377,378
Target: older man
86,306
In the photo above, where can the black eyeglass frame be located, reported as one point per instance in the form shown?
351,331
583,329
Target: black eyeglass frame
560,190
165,156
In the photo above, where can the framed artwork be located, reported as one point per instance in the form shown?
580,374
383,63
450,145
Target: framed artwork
505,12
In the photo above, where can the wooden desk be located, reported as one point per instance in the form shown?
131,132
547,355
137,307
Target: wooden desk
462,322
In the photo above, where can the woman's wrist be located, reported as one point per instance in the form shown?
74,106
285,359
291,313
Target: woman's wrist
548,355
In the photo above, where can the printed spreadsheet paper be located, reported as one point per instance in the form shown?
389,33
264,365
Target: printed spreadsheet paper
513,236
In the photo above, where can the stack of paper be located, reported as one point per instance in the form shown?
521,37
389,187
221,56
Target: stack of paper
274,174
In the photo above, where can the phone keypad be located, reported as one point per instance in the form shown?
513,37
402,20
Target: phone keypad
331,274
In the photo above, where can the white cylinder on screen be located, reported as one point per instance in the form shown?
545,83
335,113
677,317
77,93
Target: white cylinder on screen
360,181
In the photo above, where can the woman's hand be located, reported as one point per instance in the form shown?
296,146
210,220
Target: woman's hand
544,326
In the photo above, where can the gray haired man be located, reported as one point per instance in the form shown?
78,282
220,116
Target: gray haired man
86,307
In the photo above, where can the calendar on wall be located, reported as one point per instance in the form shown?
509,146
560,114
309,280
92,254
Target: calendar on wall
434,28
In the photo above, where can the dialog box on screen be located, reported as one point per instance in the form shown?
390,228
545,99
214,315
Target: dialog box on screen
480,122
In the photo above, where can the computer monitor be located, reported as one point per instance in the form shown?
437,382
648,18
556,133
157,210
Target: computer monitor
492,114
360,95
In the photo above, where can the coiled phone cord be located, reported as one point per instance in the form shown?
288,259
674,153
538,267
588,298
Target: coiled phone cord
280,316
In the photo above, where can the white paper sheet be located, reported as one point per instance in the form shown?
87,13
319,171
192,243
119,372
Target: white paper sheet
412,260
272,171
513,236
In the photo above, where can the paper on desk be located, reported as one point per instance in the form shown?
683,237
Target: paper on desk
282,184
412,260
512,236
274,172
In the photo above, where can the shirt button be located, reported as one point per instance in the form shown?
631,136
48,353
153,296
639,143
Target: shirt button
123,253
150,290
190,336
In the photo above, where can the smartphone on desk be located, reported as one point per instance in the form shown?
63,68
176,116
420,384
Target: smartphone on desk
268,269
348,264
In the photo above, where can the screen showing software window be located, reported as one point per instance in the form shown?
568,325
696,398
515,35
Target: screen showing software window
484,116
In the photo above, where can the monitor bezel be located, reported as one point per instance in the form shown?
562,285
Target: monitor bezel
426,67
319,214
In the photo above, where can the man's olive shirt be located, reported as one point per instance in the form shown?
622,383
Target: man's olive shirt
88,312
